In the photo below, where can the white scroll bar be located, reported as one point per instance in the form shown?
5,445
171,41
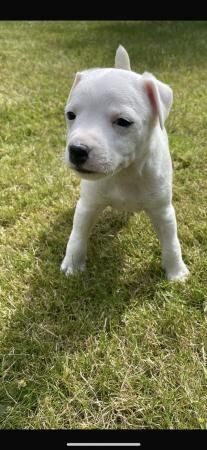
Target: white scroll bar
103,444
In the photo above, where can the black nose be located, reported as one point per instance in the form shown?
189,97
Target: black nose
78,154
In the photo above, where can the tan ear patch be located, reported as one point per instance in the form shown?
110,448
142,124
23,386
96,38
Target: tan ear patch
160,96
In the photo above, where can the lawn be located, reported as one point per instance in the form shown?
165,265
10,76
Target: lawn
118,346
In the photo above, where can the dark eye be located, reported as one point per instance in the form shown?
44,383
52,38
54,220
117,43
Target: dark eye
123,122
71,115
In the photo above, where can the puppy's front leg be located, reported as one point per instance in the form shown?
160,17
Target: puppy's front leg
164,221
84,218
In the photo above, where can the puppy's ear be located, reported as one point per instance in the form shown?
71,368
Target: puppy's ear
76,81
122,60
160,96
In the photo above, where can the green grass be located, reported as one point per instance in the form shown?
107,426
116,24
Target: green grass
117,346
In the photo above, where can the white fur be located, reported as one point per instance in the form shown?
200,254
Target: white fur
131,167
122,60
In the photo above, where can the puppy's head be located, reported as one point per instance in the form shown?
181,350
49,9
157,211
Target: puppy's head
111,114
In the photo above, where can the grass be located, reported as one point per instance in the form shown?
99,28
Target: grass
117,346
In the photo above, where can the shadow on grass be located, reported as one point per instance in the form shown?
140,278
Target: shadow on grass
60,314
81,303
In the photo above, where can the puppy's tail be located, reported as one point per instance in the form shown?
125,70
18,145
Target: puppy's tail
122,60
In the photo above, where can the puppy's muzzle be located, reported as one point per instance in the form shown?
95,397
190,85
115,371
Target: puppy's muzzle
78,154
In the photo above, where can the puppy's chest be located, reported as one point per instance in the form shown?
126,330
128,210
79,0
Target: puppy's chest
129,197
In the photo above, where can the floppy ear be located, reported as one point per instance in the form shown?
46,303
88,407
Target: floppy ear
160,96
122,60
76,81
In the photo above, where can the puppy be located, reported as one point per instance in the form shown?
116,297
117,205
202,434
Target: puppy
118,145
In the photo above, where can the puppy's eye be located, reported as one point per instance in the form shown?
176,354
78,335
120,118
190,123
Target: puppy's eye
123,122
71,115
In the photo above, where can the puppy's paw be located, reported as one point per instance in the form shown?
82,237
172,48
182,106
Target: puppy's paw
69,268
179,274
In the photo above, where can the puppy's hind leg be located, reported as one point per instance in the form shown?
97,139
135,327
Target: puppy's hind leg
164,222
84,219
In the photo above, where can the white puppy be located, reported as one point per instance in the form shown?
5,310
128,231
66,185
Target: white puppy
117,143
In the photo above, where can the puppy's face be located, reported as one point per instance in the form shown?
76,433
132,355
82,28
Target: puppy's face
110,114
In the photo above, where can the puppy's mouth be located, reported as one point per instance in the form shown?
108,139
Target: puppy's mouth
81,170
88,174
